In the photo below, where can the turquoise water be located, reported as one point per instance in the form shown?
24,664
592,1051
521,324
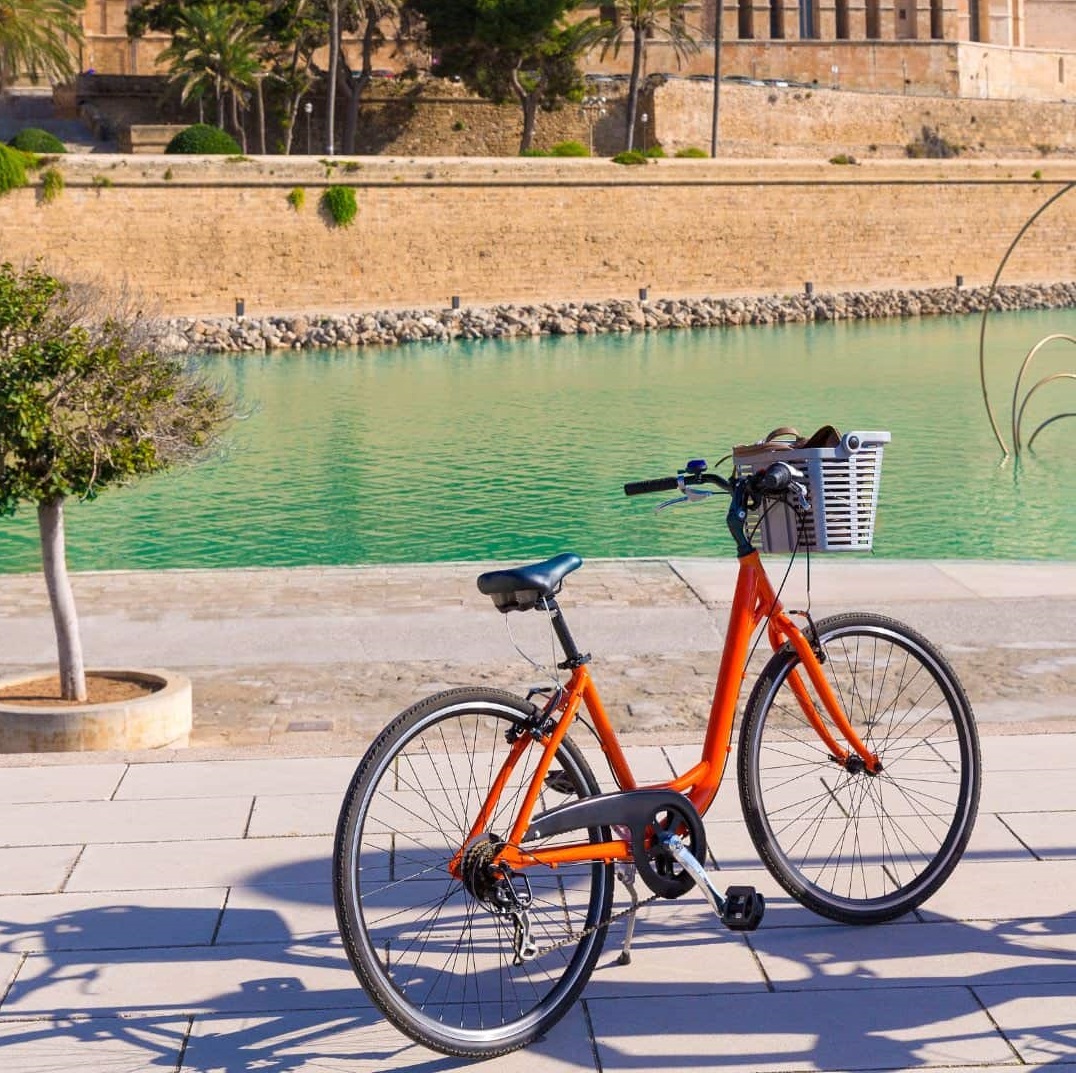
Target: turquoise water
517,450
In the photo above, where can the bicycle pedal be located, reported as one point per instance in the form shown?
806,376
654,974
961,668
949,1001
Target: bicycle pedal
744,907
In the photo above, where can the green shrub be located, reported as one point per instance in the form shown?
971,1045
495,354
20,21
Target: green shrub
932,144
692,152
459,125
102,182
203,139
35,140
297,198
655,152
630,156
569,149
842,158
534,152
339,203
168,175
12,169
1036,174
52,184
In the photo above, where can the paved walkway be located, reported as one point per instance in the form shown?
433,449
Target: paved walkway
173,910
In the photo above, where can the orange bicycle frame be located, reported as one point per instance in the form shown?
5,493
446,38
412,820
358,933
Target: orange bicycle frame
754,600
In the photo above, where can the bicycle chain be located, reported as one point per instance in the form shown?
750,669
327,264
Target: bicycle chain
587,932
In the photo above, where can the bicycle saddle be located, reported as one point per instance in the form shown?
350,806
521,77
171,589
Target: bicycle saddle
520,587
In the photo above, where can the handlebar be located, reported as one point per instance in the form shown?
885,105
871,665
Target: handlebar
774,480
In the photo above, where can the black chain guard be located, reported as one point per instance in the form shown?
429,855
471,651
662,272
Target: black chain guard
643,812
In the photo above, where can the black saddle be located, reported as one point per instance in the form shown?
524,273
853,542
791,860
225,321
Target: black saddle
521,587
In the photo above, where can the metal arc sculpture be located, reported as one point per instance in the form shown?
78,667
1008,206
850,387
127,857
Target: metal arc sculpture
1020,405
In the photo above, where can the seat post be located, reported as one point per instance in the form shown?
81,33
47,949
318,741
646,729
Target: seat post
573,657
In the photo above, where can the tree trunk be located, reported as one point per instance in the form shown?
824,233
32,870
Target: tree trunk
334,63
529,103
240,128
358,85
637,47
50,522
259,102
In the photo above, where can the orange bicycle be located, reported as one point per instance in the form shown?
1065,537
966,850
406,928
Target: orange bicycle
475,857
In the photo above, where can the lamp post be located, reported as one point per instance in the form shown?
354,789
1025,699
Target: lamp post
643,118
593,109
308,108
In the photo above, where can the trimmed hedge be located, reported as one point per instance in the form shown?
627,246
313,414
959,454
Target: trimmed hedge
203,139
35,140
692,152
569,149
630,156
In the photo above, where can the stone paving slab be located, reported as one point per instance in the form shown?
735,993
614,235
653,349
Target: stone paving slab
171,865
58,823
88,782
36,869
1005,890
1049,835
175,981
261,777
360,1042
106,920
953,954
98,1044
756,1033
1039,1021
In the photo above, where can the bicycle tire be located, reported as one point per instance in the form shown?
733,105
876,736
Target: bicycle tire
856,847
434,958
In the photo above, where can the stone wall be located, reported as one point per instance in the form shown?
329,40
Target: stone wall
769,121
196,234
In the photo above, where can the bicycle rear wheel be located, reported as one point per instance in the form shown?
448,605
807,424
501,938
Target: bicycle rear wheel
852,846
430,949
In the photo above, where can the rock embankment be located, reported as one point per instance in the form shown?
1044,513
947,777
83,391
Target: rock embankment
301,332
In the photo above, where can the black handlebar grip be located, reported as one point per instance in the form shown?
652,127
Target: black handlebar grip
659,484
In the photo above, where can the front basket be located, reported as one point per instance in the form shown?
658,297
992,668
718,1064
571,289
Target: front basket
842,487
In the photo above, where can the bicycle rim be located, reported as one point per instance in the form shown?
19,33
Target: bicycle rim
852,846
436,959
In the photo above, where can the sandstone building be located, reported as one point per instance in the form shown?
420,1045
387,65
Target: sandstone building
1001,49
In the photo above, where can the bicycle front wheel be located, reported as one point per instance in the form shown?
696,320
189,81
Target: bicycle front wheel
437,953
858,847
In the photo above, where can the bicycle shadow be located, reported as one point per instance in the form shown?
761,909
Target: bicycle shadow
870,993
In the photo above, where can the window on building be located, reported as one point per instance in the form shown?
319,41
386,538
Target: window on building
973,21
842,20
746,24
874,19
609,13
937,21
808,19
777,22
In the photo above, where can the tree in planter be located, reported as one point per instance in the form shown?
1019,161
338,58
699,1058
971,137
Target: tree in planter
87,400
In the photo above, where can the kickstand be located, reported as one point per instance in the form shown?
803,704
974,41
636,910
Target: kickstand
626,875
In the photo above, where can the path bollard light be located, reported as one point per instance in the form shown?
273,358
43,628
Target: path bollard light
643,293
455,301
808,288
240,308
960,281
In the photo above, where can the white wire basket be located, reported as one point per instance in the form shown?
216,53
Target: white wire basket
842,489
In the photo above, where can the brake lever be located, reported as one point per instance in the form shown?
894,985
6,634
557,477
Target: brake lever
690,495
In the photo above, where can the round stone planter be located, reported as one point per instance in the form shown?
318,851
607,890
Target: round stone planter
158,719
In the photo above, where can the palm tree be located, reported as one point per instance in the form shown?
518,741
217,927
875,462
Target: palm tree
214,49
36,38
641,20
